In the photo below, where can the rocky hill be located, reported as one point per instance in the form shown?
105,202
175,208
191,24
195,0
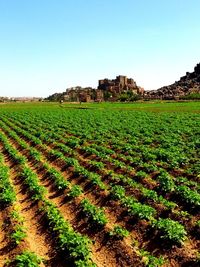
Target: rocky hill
187,85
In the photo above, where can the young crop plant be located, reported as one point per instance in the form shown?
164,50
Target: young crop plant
181,214
166,182
60,182
95,214
73,142
116,178
170,230
7,193
119,232
27,259
90,151
103,149
151,194
16,216
96,165
65,149
141,175
75,191
16,137
198,224
150,167
18,159
34,140
136,161
95,179
148,156
75,244
35,154
185,181
81,171
85,263
118,164
54,154
135,208
30,178
19,231
170,205
140,210
150,260
117,192
197,228
191,197
18,234
71,162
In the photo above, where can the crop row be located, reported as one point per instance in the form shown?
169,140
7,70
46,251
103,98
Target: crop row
145,212
137,161
166,183
76,245
93,213
104,153
168,142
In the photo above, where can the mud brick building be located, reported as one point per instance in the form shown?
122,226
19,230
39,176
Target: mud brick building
119,85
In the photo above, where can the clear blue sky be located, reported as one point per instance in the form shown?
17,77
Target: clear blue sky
49,45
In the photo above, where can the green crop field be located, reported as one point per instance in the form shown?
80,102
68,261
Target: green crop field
102,184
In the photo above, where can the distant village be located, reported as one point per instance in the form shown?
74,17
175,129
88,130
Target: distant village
120,88
20,99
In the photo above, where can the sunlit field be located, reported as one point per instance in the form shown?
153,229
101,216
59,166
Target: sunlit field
100,184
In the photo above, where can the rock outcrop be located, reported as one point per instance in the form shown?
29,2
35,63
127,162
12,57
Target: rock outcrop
188,84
